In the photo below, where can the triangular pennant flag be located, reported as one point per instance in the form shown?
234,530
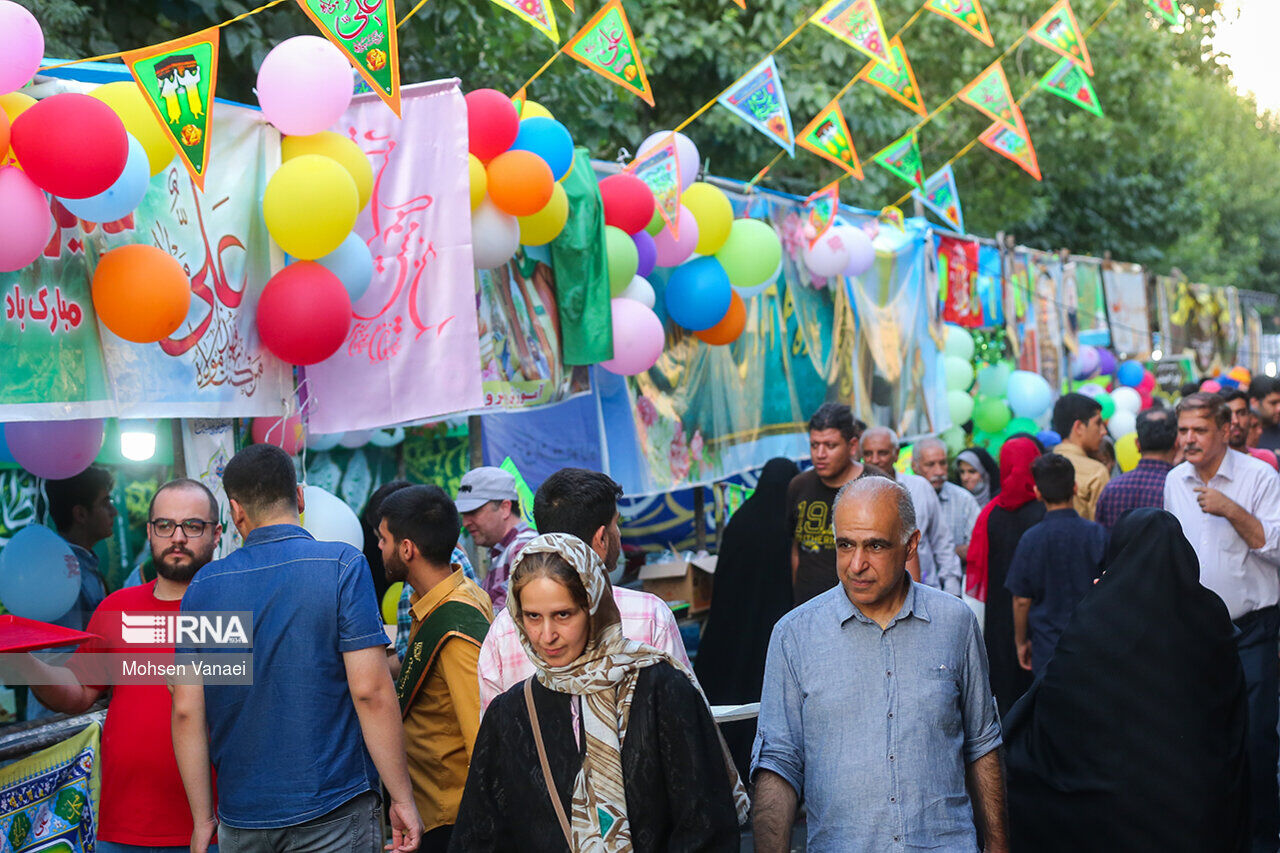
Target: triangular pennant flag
1166,9
989,93
659,168
178,79
967,14
535,13
1014,144
857,23
569,3
605,45
518,100
758,99
902,158
820,211
742,4
1068,80
941,196
367,37
898,80
828,136
1059,32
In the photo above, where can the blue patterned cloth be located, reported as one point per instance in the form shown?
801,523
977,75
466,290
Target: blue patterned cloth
404,619
48,801
1143,486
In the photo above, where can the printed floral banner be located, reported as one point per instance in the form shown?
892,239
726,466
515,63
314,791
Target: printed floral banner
958,280
989,93
857,23
49,801
941,196
606,46
967,14
902,158
178,80
1166,9
898,79
1125,286
368,38
1068,81
820,211
757,97
659,168
828,136
536,13
1059,32
1014,144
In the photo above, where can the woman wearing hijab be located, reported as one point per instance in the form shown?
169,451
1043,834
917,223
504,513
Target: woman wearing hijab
996,534
1133,738
608,747
753,591
978,473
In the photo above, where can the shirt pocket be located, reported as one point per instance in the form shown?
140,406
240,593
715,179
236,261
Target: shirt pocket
939,696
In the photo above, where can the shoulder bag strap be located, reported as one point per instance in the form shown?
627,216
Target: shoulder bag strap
546,766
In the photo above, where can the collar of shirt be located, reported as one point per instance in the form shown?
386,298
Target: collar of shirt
422,604
505,542
1061,514
87,558
911,606
1226,469
1075,452
1154,465
276,533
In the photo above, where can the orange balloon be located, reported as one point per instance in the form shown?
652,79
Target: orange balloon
520,182
4,134
141,293
729,328
12,105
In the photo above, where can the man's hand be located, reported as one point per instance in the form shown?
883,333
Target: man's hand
1214,502
202,835
1024,655
406,828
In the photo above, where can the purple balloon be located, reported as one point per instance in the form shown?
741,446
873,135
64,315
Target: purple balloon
862,254
1085,363
647,251
1106,362
54,450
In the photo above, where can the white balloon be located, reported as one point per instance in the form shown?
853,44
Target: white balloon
328,519
641,291
320,442
387,437
1122,423
829,256
356,438
495,236
1127,400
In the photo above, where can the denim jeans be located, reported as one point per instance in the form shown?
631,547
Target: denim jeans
353,827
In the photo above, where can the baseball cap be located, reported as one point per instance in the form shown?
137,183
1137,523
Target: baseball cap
481,485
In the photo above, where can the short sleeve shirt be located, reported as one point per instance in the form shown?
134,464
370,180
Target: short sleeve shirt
809,518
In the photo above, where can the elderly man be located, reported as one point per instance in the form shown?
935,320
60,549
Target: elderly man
876,706
490,510
959,507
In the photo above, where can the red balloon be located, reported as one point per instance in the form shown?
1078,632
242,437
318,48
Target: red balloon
304,313
285,433
70,145
492,123
628,202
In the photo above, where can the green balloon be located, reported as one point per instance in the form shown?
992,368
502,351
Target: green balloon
623,258
993,380
991,415
959,342
959,373
1018,425
953,438
960,406
751,254
1108,405
656,223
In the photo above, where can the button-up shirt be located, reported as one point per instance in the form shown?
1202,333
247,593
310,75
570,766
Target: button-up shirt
874,727
939,563
1091,477
502,557
959,511
1141,487
1246,579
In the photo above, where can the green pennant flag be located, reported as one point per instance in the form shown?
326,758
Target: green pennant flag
902,158
1059,31
367,37
900,82
606,45
1068,80
1166,9
989,93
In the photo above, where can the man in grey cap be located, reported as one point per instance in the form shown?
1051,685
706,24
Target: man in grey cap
490,511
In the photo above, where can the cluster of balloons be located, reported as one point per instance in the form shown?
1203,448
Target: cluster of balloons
1008,401
518,159
844,250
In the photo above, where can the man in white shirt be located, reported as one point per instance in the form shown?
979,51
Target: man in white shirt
1229,507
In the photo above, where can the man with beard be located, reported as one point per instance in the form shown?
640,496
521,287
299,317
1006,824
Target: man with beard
1240,425
143,806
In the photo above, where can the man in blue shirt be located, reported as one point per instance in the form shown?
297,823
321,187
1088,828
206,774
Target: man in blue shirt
876,705
1054,565
298,752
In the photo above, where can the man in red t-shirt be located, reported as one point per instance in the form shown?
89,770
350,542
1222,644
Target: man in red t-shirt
143,803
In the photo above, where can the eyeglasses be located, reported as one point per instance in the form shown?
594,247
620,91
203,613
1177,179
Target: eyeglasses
193,528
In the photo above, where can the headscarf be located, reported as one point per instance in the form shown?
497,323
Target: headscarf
1017,489
604,675
980,460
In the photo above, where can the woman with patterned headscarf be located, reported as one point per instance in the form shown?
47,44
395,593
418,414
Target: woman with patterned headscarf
609,746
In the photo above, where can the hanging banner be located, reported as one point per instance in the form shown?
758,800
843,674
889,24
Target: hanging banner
1059,32
536,13
368,38
1068,81
902,158
659,168
958,282
989,93
1085,301
857,23
828,136
941,196
49,800
418,318
178,80
1125,286
898,79
820,211
757,98
967,14
1013,144
990,286
207,446
606,45
1167,10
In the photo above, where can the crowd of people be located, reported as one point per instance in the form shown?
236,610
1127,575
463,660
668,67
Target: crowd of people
1023,654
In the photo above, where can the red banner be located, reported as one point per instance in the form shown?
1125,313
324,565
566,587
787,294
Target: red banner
958,282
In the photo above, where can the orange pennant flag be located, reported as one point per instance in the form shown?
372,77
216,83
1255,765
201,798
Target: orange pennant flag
367,38
1013,143
828,136
989,93
1059,31
606,45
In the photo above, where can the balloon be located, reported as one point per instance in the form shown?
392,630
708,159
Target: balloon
730,327
960,406
1028,393
953,438
646,252
495,236
959,373
492,123
328,519
1092,389
993,379
1239,374
827,257
991,415
391,603
1209,387
622,257
25,220
958,342
122,197
39,574
54,450
127,101
1108,405
4,134
352,263
673,251
304,313
1085,363
698,294
1148,383
355,438
748,292
310,206
479,180
70,145
21,49
141,293
285,433
520,182
751,253
1049,438
387,437
656,223
550,140
1147,400
862,253
304,85
1127,453
320,442
13,105
1122,423
687,157
1130,373
338,148
641,291
628,202
533,109
1018,425
637,338
1127,400
1106,362
544,226
711,208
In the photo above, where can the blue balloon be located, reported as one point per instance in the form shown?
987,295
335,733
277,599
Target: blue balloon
122,197
550,140
698,294
1130,373
352,263
39,576
1049,438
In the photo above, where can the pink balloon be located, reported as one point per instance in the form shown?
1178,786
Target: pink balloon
54,450
828,257
1148,382
672,252
304,85
862,254
1147,400
687,156
1210,387
287,433
21,46
25,220
638,338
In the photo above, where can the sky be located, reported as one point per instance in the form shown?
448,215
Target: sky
1247,33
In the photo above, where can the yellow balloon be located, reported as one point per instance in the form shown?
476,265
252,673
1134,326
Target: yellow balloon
14,104
391,603
479,180
533,109
310,206
337,147
126,101
1127,453
713,213
538,229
